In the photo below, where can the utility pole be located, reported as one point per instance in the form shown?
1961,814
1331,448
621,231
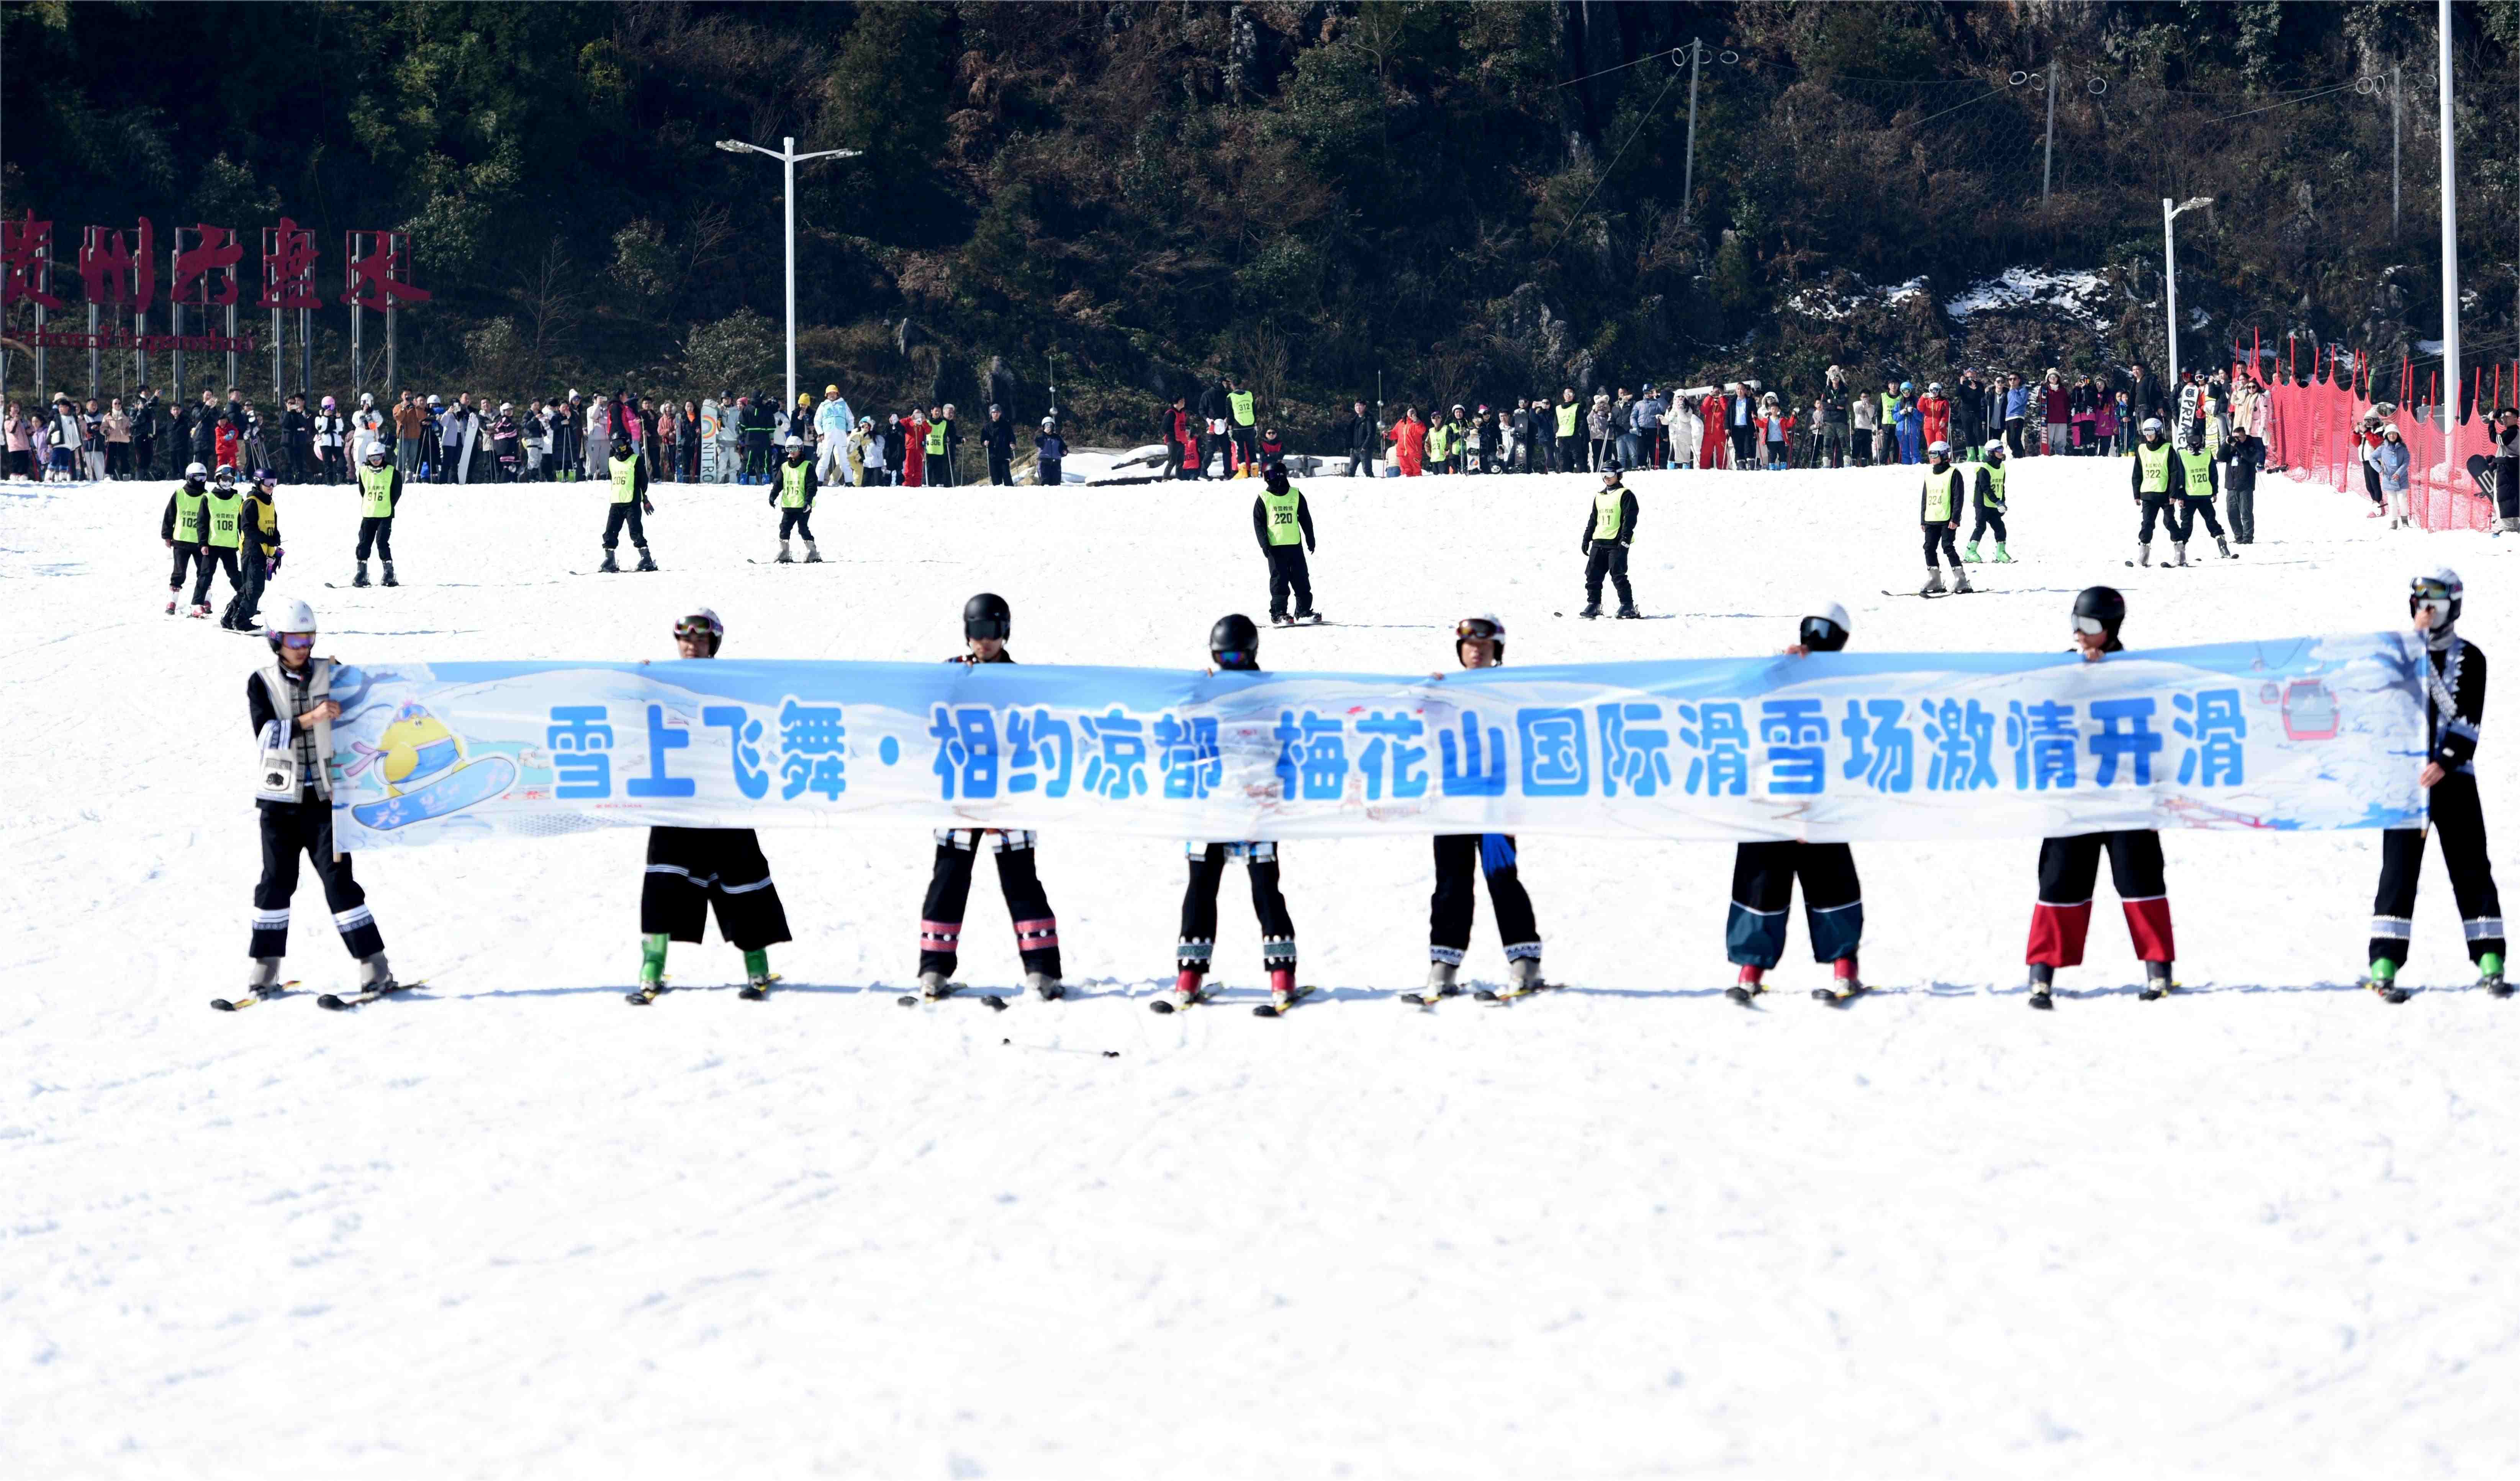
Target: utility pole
2449,235
2047,172
787,157
1689,169
2396,144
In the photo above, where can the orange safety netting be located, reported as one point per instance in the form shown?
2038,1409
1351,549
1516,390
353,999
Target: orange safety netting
2313,431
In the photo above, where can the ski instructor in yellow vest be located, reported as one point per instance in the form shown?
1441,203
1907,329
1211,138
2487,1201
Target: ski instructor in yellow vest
629,473
794,486
1283,524
380,495
1939,510
186,530
1245,430
1609,528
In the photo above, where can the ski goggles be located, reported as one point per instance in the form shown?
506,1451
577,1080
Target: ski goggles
1821,632
298,639
693,629
2089,627
1232,657
1484,628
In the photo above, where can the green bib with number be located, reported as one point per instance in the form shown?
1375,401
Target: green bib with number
1283,528
1605,512
1940,494
2200,475
2155,461
377,486
225,534
791,484
187,515
625,480
1241,401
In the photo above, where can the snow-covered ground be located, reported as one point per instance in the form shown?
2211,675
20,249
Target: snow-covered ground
506,1226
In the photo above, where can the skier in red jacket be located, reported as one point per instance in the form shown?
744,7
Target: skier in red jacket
1937,409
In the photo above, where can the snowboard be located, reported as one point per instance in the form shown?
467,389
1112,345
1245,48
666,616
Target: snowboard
709,422
2480,471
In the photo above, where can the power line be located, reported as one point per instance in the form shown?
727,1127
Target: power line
1601,179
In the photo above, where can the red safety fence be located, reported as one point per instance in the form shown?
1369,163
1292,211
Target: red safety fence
2313,427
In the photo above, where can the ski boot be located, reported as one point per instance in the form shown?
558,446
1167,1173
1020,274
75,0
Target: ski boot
1281,619
1283,994
2156,982
2382,978
2043,984
1048,988
2489,969
1933,586
2180,546
201,609
1749,986
932,986
652,967
2142,553
758,976
609,568
1627,609
1308,616
390,575
264,980
374,976
2003,557
1443,980
1960,584
782,558
1969,553
1591,610
647,562
813,555
1188,988
361,579
172,602
2225,546
1845,983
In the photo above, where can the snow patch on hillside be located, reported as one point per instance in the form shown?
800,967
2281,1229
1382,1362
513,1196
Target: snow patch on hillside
1834,303
2077,293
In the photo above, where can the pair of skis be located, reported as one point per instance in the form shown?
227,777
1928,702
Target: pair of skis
333,1002
1497,995
943,991
751,992
1175,1001
1832,996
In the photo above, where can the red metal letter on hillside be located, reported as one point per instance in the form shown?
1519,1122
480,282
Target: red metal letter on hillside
26,262
376,278
220,252
113,274
288,267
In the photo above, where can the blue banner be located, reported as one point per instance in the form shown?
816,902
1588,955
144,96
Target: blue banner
2296,732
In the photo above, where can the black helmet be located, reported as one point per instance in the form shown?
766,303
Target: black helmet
1234,643
1273,474
1611,464
987,616
2103,606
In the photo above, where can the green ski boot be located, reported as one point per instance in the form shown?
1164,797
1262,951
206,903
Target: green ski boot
1970,554
652,968
2383,979
2003,557
2489,969
758,976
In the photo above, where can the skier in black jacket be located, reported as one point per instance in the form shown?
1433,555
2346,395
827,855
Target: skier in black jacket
998,436
987,624
1609,528
2454,711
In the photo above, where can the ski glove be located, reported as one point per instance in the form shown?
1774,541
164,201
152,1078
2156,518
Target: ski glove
272,568
647,508
1584,549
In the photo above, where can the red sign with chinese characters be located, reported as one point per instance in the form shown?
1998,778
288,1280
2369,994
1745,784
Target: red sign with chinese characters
378,277
113,274
288,267
26,262
207,270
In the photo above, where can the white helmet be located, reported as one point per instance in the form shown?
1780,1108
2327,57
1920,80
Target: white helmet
1939,446
795,441
288,614
506,407
196,470
1049,422
367,398
2150,425
1829,639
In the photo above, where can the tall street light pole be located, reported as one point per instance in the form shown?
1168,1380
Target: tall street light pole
2169,274
787,155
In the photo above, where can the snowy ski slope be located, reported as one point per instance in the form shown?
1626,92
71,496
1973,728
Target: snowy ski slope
508,1225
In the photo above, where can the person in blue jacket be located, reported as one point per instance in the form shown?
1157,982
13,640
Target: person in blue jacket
1911,425
1051,448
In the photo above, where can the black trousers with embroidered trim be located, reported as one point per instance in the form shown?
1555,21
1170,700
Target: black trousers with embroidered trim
691,870
290,829
1763,892
1268,902
1460,860
949,891
2459,817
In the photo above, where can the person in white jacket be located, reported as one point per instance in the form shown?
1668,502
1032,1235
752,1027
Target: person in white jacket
833,424
599,440
368,428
